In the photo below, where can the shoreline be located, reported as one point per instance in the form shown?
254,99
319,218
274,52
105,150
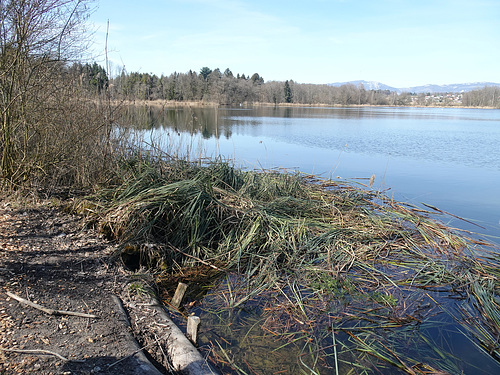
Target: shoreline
206,104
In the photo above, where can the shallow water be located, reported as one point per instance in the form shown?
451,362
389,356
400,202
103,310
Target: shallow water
266,335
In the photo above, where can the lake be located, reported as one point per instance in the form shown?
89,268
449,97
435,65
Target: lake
446,157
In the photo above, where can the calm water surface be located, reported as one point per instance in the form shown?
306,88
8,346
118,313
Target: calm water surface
446,157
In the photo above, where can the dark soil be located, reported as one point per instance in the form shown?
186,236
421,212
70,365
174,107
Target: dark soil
46,257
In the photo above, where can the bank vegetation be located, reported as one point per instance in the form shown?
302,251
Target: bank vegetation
55,125
301,254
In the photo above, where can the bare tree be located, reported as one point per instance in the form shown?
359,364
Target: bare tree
38,39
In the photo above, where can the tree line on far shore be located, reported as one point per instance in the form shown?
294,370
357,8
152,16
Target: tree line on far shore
226,88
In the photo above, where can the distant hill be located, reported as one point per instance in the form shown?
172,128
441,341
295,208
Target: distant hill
455,87
369,85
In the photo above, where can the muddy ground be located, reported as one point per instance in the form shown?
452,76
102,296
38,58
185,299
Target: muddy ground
47,258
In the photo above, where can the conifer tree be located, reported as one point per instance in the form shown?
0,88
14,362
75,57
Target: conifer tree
288,92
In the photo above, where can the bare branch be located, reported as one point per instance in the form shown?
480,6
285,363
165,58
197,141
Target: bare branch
48,310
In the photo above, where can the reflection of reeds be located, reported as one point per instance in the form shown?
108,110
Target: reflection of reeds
317,250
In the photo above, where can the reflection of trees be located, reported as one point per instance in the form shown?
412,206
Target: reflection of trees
217,122
188,120
205,133
140,117
288,112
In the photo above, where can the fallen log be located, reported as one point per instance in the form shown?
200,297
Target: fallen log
184,356
144,365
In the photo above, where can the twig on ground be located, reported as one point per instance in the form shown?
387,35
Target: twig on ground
36,351
47,310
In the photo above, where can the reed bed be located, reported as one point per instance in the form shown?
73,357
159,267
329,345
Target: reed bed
306,252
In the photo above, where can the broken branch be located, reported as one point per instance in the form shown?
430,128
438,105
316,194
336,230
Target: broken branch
47,310
36,351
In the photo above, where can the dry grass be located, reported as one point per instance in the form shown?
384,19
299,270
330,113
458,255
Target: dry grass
326,250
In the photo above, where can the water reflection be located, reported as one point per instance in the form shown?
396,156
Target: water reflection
435,135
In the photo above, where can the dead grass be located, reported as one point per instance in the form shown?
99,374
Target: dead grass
320,245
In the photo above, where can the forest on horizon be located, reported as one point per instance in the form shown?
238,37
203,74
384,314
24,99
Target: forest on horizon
227,88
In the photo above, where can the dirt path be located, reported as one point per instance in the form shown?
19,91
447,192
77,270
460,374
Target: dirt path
46,258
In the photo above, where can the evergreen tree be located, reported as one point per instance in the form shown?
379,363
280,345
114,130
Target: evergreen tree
257,79
205,72
288,92
97,77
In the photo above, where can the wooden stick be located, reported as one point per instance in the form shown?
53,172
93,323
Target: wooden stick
36,351
196,258
47,310
193,323
179,295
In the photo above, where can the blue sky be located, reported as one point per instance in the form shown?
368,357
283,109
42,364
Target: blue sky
401,43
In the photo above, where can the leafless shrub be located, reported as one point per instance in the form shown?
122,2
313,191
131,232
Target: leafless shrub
53,130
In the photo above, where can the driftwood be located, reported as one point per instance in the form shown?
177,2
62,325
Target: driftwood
193,323
179,295
47,310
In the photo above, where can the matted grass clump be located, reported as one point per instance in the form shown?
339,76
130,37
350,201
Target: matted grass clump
303,237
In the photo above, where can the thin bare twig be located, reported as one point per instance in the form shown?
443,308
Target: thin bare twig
36,351
138,350
47,310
